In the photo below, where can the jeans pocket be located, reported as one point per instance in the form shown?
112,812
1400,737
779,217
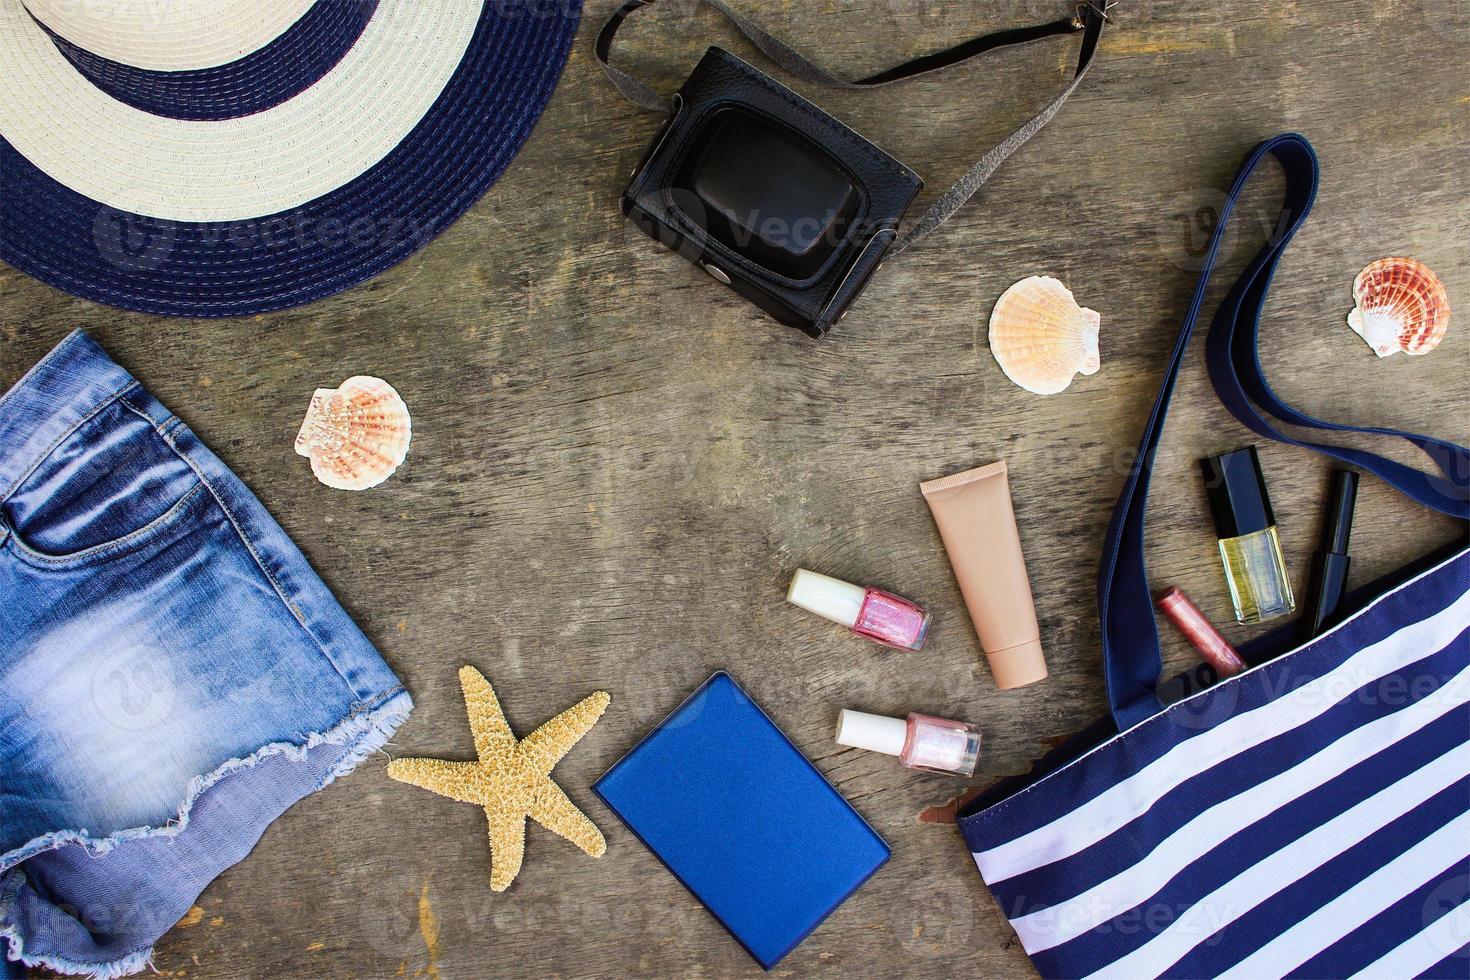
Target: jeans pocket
108,487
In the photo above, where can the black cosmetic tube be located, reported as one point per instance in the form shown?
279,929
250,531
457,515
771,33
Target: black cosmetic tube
1330,563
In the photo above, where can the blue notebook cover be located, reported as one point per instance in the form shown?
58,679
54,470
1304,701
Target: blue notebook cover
739,815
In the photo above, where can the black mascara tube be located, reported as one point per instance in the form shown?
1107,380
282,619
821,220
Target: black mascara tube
1330,563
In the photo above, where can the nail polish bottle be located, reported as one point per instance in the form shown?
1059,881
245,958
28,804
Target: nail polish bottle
1249,546
920,741
891,620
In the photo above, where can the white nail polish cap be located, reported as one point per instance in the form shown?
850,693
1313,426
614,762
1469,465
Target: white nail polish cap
828,597
875,733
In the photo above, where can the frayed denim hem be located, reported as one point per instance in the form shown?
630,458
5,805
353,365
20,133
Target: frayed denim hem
363,732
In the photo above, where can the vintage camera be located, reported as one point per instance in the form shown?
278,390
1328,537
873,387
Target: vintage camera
769,194
778,200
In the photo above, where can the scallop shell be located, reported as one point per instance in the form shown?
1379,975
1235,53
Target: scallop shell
355,435
1041,338
1401,306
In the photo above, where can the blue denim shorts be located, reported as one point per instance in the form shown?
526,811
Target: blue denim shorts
173,675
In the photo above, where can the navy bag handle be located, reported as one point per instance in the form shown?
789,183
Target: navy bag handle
1132,659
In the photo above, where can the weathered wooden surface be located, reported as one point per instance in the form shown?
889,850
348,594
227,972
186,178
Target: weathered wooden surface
617,465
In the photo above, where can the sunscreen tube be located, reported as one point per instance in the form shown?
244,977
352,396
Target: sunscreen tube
975,519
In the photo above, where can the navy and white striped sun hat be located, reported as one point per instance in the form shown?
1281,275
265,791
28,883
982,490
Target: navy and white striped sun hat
226,157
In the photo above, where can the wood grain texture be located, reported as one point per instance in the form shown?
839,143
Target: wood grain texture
617,464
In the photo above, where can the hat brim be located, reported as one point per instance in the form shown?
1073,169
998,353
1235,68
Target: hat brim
255,264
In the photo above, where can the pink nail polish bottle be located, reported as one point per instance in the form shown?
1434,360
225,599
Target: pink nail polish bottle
891,620
920,741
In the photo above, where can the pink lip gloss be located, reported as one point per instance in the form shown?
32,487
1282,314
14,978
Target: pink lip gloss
1213,648
889,619
920,741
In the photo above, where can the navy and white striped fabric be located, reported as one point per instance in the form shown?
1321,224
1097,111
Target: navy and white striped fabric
1309,817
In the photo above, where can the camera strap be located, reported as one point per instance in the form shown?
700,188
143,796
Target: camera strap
1088,18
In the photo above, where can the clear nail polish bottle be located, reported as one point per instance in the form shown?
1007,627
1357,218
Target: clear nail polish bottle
920,741
1249,546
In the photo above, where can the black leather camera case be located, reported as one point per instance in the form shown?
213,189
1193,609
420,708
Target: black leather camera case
776,199
769,194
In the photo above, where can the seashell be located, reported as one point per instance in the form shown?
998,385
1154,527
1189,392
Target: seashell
1401,306
1041,338
355,435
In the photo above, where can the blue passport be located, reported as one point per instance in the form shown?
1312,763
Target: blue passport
738,814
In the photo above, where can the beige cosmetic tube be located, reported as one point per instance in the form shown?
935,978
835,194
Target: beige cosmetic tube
978,525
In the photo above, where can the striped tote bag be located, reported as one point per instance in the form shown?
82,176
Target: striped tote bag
1309,817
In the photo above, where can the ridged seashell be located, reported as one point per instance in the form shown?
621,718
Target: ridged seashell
355,435
1041,338
1401,306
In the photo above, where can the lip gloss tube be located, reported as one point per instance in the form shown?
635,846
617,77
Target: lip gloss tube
1201,633
978,525
920,741
881,616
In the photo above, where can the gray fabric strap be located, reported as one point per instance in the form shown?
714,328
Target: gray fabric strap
963,189
1089,16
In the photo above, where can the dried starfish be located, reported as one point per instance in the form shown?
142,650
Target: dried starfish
512,779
